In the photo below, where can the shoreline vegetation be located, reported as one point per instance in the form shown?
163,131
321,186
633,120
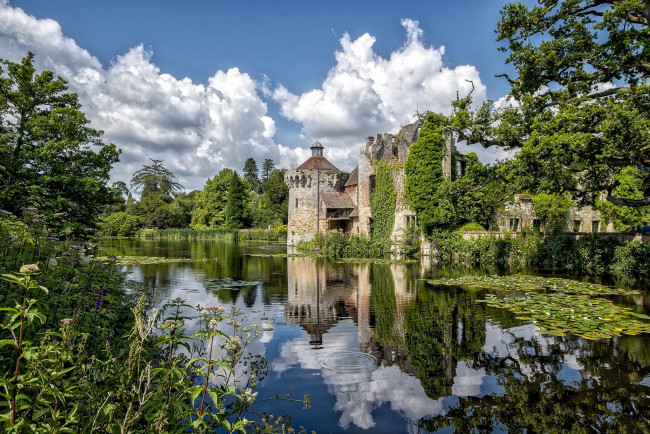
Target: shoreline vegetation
80,352
588,255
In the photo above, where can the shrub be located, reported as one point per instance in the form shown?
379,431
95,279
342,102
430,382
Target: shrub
471,227
119,224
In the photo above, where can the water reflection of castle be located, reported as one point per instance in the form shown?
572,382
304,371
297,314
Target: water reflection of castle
319,296
425,335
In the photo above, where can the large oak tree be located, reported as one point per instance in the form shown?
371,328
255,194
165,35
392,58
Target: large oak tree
581,98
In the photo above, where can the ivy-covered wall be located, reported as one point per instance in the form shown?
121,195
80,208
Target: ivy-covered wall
382,203
424,173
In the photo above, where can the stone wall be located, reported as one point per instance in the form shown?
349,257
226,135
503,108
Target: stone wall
303,194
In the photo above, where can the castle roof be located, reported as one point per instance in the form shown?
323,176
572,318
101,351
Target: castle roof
353,179
337,200
317,162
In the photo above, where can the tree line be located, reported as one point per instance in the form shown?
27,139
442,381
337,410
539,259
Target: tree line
227,201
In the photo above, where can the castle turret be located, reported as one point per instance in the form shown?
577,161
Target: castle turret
308,186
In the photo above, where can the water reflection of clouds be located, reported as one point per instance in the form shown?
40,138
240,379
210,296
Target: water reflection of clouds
500,343
358,393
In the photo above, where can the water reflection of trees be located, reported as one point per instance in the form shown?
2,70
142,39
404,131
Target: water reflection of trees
443,327
540,396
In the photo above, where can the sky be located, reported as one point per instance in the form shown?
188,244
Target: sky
206,84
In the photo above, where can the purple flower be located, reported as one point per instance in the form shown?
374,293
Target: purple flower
65,254
112,257
98,235
39,221
99,300
11,237
52,238
435,242
74,247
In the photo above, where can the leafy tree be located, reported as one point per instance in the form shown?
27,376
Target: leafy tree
278,194
49,157
267,168
209,211
236,212
581,112
629,183
155,179
250,174
552,210
121,188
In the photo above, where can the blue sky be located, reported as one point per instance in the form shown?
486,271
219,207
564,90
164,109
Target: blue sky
205,84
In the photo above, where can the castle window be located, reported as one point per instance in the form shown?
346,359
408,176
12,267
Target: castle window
514,224
296,202
577,225
594,226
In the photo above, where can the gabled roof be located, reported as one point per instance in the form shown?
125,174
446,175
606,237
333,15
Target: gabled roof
317,162
337,200
353,179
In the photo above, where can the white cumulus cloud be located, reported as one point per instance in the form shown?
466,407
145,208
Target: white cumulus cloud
195,129
365,94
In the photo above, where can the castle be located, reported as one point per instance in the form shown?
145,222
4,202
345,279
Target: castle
323,198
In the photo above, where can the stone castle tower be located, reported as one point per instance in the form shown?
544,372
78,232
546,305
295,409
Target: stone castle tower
311,187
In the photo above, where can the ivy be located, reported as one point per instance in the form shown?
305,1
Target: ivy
382,203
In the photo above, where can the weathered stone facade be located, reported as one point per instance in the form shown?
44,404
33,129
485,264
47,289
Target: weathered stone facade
313,179
520,216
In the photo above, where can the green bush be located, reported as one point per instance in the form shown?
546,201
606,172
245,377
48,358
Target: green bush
471,227
119,224
590,254
278,234
339,244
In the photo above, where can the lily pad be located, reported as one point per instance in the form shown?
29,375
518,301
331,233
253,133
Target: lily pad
228,283
557,314
522,282
131,260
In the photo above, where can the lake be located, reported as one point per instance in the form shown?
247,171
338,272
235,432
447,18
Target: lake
380,350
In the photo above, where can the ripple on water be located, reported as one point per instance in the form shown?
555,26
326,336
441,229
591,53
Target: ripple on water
349,361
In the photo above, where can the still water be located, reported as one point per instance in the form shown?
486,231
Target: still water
380,351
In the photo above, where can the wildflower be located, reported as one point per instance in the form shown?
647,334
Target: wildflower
98,235
248,396
52,238
169,323
5,213
89,229
99,300
66,321
435,242
29,269
39,221
30,209
215,308
11,237
65,254
74,247
112,257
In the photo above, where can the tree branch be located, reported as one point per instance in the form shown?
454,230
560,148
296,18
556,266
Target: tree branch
510,80
628,202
